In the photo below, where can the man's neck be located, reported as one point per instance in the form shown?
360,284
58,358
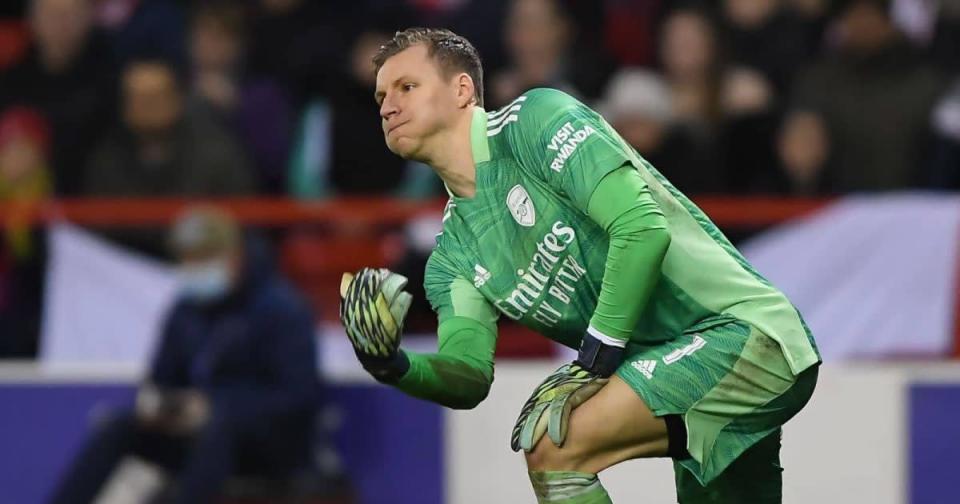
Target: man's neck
453,159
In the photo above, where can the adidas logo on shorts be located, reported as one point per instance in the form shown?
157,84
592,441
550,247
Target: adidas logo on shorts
645,367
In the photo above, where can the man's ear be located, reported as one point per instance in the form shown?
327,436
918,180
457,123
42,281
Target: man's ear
466,92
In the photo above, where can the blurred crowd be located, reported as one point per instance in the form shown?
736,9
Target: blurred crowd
214,97
274,97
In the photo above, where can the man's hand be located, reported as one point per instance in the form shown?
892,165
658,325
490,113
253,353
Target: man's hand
548,409
373,307
172,411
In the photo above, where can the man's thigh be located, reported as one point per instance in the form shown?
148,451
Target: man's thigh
756,477
730,384
626,418
616,425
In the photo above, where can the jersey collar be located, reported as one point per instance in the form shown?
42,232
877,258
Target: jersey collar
478,136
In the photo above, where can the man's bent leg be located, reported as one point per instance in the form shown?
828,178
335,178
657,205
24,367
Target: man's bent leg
612,426
209,461
109,442
755,477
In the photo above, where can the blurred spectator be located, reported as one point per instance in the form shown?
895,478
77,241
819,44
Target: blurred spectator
163,149
637,103
297,42
630,30
803,147
340,149
729,111
875,95
24,181
255,109
144,28
944,172
68,74
233,384
360,161
689,56
540,38
692,66
480,22
747,131
762,35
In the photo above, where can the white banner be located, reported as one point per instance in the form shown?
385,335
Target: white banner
874,276
103,304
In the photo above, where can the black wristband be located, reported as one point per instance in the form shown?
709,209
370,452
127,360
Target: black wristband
386,369
597,357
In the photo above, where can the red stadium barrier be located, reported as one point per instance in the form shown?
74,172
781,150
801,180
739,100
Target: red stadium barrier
328,237
111,212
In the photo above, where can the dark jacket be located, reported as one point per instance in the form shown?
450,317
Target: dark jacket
78,102
877,110
207,161
253,353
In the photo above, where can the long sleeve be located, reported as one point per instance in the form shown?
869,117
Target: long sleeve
460,373
169,366
290,356
623,206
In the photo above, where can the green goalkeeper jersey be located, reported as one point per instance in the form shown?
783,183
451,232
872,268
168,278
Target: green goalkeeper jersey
524,246
570,232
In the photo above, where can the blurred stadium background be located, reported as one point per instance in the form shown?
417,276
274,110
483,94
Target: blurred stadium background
822,136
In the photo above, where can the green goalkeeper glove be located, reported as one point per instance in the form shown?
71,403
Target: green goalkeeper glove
548,409
373,307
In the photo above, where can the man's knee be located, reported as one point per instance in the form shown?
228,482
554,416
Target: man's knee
613,426
547,456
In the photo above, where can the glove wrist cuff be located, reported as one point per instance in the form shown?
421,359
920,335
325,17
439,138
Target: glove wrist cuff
598,357
387,370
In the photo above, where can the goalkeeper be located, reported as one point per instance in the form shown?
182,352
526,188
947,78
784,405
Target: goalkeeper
554,221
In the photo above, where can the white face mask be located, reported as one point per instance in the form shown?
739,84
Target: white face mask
204,282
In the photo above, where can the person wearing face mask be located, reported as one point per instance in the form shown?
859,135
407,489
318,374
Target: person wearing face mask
233,383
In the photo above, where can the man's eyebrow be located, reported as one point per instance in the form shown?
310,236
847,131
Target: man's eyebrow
378,95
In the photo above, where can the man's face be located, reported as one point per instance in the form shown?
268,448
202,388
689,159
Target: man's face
213,47
60,26
749,13
151,98
535,29
866,28
416,101
687,45
18,158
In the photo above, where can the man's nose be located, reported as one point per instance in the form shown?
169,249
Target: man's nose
388,109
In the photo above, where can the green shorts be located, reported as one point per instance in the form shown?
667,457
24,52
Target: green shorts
730,383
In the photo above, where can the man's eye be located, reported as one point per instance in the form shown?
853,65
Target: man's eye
408,87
